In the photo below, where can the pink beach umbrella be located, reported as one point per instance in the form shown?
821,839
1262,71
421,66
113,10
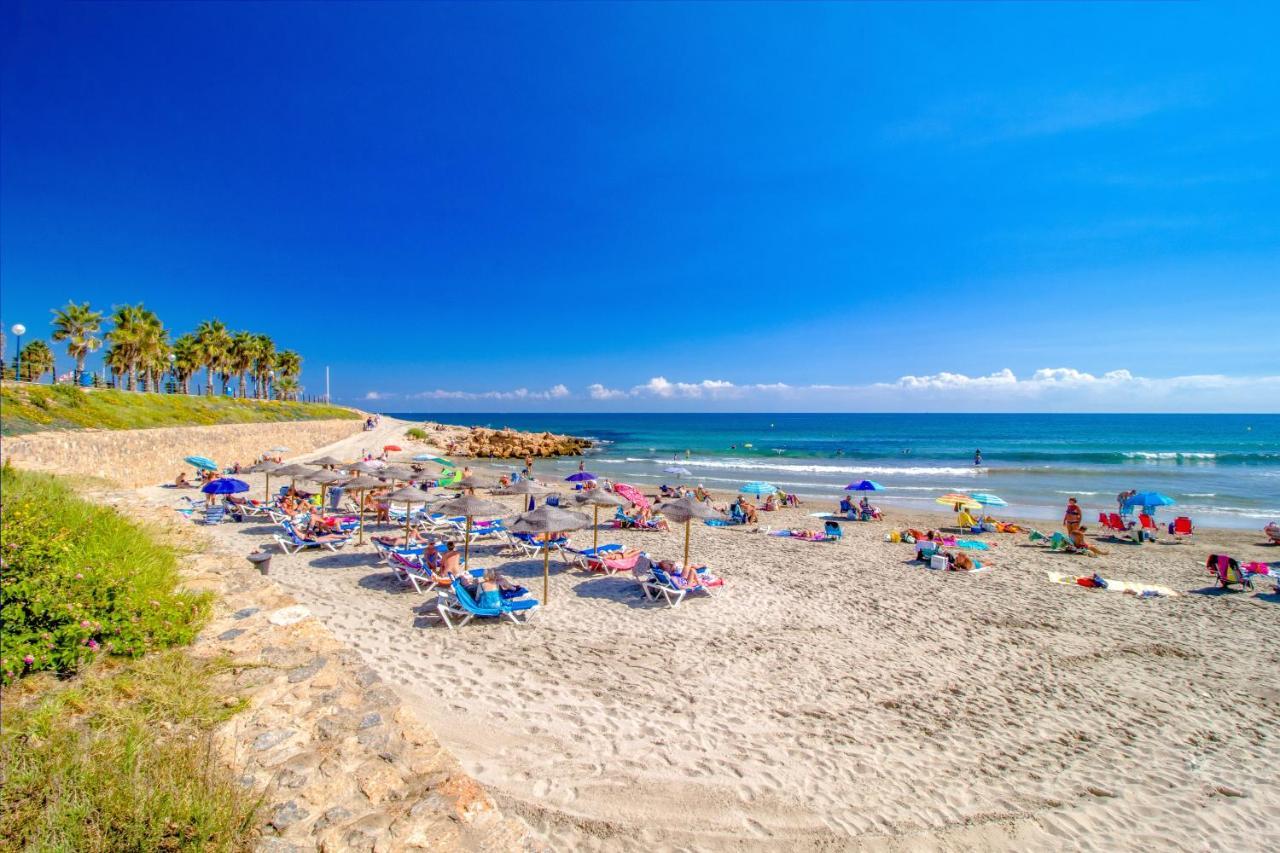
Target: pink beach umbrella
631,493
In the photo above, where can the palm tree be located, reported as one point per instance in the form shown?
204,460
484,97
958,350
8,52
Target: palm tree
186,361
77,325
126,339
213,343
36,359
289,366
243,356
153,355
288,388
264,364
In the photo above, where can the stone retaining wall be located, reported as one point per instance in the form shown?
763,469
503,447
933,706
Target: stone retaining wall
148,457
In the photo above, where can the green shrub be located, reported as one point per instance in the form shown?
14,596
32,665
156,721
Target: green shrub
79,580
416,432
121,758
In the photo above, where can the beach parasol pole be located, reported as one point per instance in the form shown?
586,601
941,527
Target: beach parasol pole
546,572
466,542
266,495
595,530
687,525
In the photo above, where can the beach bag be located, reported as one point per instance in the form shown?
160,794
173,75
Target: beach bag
938,561
895,536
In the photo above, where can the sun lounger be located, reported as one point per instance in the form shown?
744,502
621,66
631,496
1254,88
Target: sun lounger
528,545
583,557
215,514
612,565
672,587
459,607
292,543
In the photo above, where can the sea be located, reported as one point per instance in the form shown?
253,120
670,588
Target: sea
1221,470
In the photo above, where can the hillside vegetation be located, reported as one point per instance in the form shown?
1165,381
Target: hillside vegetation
106,728
32,408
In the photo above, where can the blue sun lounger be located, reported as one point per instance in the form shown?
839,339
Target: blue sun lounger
458,608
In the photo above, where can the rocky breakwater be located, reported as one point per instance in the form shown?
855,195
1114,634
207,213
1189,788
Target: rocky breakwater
485,443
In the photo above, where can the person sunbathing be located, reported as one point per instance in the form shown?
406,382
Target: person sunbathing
181,482
689,574
1081,544
748,510
866,509
451,562
770,504
961,562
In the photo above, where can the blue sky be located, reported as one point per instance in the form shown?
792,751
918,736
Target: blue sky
644,207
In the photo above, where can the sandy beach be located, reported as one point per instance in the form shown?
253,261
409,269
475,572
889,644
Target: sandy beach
836,696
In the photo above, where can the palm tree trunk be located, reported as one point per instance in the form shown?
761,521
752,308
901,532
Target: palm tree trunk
244,385
208,381
128,379
79,367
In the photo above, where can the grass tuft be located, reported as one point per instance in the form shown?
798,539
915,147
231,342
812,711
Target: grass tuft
121,758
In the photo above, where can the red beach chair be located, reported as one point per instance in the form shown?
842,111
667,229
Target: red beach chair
1181,526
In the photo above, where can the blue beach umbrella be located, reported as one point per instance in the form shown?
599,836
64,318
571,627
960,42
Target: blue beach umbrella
1148,501
225,486
988,500
580,477
203,462
759,489
864,486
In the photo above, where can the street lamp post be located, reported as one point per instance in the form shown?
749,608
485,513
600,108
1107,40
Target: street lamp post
271,383
18,331
173,374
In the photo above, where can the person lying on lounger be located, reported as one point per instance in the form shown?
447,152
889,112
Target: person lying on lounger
689,573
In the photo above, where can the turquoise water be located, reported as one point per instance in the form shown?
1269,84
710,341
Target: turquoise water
1223,470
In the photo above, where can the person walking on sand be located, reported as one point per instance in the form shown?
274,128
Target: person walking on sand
1073,516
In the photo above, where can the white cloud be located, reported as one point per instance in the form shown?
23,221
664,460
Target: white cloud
378,395
1047,389
555,392
599,392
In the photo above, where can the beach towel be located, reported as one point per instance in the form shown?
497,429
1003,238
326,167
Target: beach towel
973,544
1142,590
805,535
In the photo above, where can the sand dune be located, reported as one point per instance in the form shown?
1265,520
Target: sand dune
838,695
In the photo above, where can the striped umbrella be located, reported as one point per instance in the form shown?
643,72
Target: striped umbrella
959,501
758,489
988,500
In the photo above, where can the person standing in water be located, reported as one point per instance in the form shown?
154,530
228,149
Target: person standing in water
977,457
